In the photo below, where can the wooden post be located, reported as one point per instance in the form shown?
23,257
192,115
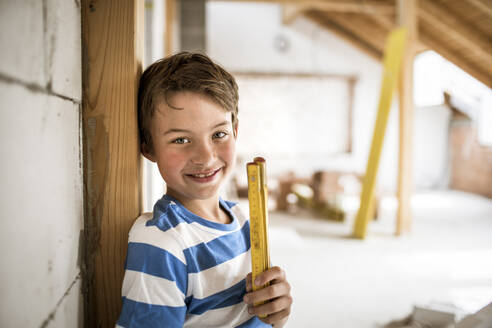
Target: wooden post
112,43
407,17
170,31
350,130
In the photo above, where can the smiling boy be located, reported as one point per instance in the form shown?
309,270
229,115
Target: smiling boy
188,263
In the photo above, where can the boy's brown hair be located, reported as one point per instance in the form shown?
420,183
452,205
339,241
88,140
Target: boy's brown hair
184,71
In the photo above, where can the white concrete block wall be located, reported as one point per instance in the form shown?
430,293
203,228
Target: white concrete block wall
63,29
22,40
41,203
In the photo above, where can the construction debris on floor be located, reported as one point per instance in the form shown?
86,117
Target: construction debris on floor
444,316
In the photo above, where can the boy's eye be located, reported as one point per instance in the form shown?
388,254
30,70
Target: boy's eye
180,141
219,135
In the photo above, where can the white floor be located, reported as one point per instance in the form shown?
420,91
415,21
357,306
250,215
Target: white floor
339,282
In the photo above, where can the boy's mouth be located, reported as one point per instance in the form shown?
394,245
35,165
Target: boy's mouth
204,176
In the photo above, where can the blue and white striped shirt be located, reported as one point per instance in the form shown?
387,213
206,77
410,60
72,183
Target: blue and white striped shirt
184,271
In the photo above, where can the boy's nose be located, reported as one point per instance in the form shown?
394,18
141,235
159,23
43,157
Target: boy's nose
204,154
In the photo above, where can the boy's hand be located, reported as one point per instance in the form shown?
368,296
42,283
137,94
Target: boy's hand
277,294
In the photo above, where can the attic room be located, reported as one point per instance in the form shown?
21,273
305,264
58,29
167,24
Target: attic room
311,76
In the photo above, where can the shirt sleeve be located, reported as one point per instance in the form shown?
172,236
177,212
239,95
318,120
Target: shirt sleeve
154,288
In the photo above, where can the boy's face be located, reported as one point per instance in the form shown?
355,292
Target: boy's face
194,147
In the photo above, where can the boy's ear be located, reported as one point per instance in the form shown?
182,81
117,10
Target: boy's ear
235,130
144,148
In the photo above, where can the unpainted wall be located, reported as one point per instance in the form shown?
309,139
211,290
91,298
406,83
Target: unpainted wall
471,163
41,201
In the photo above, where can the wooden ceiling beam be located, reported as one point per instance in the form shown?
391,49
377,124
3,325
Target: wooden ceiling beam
290,12
362,26
292,9
345,34
346,6
483,6
446,23
389,24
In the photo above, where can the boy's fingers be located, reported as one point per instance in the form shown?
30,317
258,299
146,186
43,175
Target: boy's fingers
271,319
274,273
267,293
277,305
249,286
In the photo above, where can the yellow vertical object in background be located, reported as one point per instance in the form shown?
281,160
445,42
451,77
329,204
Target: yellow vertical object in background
393,54
258,212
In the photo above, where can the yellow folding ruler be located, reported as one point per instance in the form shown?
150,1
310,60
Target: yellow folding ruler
258,213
